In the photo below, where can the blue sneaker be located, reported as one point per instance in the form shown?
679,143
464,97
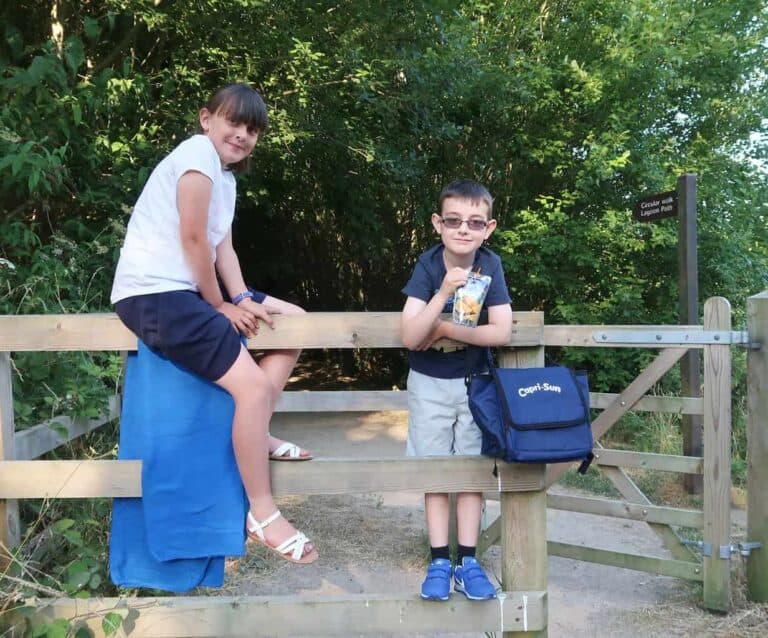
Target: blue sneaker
437,584
472,581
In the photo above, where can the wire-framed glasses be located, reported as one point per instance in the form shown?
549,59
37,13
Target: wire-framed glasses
473,223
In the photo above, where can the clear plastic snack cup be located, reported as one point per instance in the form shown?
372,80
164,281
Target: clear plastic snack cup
468,300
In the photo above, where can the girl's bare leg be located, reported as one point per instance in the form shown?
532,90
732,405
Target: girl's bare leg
278,364
252,392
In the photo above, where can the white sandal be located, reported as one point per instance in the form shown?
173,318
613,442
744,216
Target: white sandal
291,549
288,451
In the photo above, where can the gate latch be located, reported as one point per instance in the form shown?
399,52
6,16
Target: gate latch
745,549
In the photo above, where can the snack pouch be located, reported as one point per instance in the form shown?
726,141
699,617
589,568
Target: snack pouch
468,300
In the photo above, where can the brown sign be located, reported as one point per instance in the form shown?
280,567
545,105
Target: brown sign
658,206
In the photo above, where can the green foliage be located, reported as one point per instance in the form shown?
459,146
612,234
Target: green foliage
569,112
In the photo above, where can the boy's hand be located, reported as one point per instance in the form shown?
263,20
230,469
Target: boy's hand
435,334
454,278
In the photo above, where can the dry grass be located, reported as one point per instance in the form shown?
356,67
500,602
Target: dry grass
349,530
687,619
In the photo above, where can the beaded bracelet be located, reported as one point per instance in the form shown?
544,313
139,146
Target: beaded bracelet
246,294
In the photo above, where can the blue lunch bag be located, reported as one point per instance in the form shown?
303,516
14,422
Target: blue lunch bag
532,415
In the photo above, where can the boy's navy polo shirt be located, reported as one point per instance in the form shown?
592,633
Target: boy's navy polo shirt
425,282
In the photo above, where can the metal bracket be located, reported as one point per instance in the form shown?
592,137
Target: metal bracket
724,551
745,549
674,337
706,548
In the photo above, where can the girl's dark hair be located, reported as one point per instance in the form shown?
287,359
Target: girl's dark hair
241,104
467,189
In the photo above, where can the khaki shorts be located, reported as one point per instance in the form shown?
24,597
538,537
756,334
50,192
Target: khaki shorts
439,420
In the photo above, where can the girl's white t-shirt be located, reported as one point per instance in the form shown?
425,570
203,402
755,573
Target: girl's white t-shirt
151,259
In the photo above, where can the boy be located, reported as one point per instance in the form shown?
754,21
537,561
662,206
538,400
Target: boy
440,422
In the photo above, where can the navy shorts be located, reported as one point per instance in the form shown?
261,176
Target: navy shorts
185,328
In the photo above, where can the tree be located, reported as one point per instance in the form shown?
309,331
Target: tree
568,112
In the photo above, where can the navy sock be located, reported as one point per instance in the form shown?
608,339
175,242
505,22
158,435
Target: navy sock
440,552
462,551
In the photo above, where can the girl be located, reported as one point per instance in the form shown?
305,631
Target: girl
166,291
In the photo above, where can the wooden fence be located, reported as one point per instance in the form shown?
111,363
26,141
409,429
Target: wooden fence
521,609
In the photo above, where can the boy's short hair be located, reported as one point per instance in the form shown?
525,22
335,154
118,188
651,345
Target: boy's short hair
468,189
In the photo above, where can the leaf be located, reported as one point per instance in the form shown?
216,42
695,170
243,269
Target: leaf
63,524
78,580
60,429
59,628
34,178
111,623
74,54
73,537
77,113
91,27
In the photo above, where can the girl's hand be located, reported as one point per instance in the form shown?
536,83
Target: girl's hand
242,320
259,311
454,278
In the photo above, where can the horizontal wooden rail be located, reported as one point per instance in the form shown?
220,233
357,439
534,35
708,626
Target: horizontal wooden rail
629,511
342,401
21,333
89,479
582,336
650,564
313,330
44,437
383,400
222,617
649,461
651,403
39,439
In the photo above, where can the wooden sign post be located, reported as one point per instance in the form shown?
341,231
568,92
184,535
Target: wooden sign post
690,375
682,203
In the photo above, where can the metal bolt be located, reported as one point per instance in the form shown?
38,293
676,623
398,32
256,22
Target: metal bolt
658,337
717,337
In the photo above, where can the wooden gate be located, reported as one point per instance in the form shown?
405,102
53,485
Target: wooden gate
521,607
521,527
715,338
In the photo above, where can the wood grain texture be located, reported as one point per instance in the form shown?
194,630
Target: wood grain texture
757,447
91,479
717,457
305,615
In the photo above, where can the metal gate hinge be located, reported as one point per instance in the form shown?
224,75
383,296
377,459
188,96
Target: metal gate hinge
724,551
745,548
674,337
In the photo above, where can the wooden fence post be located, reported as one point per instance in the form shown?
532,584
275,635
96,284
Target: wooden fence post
717,459
524,518
757,447
9,510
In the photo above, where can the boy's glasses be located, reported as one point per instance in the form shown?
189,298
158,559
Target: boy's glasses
473,223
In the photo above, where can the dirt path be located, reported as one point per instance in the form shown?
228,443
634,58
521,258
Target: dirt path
376,543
